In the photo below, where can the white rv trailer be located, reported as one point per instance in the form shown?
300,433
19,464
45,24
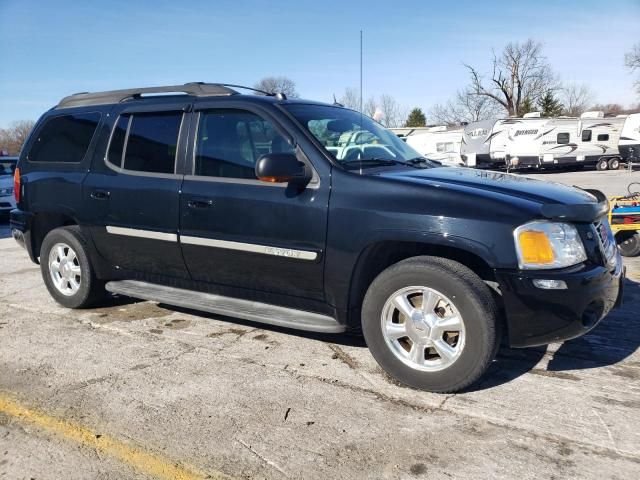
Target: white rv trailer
436,143
584,140
629,143
474,148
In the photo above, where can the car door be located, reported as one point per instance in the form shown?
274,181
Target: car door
237,231
132,193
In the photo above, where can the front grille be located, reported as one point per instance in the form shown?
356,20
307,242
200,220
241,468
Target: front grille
607,241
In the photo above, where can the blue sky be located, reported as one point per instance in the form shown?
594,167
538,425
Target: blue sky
413,49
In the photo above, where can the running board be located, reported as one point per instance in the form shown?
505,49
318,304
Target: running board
228,306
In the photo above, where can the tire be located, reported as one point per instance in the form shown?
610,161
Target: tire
67,271
629,243
614,163
459,293
602,164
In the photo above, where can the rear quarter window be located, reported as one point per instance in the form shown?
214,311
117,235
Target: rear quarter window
64,138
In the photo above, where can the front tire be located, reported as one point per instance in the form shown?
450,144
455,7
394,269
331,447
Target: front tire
431,323
67,271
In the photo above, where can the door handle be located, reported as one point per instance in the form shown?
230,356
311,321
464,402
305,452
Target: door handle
199,203
100,194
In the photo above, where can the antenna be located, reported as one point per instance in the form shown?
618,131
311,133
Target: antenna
361,72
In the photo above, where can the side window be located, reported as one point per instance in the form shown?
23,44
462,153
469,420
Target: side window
563,138
586,135
64,138
603,137
230,141
116,147
146,142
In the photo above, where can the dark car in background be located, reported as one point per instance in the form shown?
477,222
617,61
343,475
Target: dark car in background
312,216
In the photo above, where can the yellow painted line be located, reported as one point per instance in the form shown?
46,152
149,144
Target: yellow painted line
135,457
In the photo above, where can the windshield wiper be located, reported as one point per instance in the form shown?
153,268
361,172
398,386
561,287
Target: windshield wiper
419,160
378,162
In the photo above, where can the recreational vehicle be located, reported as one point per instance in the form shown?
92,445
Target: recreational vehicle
583,141
474,148
629,143
436,143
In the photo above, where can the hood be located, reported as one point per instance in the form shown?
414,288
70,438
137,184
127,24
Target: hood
556,201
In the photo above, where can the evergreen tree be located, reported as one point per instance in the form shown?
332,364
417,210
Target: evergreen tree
549,105
526,106
416,118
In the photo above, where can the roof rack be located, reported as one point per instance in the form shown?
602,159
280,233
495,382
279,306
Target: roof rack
198,89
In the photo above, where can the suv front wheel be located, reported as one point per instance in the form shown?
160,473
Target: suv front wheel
431,323
67,270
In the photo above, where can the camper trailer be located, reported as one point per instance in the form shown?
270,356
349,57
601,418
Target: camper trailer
523,141
474,148
629,143
588,140
436,143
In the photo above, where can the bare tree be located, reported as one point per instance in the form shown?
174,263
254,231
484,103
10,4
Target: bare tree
613,109
370,107
350,98
12,139
576,98
278,85
466,106
632,62
392,115
520,71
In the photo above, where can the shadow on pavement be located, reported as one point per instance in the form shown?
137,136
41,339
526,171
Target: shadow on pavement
5,232
613,340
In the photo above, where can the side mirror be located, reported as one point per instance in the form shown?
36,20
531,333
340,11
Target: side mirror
282,168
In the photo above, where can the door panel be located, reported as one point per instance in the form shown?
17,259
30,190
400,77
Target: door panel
240,232
137,207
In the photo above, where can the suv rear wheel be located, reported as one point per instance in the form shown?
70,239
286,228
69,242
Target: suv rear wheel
431,323
67,270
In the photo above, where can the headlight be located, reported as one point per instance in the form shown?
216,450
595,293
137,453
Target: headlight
542,245
6,191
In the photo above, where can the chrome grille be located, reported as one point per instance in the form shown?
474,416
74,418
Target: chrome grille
607,242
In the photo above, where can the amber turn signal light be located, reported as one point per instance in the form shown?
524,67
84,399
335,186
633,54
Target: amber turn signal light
535,247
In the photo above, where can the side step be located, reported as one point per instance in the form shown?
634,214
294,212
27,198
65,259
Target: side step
230,307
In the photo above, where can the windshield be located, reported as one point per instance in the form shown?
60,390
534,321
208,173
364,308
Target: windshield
7,167
354,140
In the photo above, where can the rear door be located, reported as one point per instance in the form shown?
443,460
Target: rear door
132,194
237,231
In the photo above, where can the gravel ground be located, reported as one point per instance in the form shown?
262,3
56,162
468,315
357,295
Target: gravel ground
216,396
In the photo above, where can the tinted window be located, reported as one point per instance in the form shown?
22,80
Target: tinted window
603,137
152,142
116,147
563,138
586,135
230,142
64,139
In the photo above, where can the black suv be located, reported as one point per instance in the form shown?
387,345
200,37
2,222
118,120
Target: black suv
310,216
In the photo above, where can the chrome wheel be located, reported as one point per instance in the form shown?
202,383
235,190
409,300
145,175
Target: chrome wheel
64,268
423,328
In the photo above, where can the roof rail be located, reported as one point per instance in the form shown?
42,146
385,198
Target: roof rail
197,89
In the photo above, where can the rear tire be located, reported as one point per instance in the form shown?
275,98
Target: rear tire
602,164
67,271
447,336
629,243
614,163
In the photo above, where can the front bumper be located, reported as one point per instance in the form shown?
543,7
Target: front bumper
537,317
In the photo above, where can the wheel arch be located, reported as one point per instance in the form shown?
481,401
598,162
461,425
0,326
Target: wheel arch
380,255
42,224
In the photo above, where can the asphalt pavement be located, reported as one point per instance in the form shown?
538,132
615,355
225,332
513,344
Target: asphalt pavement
143,390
